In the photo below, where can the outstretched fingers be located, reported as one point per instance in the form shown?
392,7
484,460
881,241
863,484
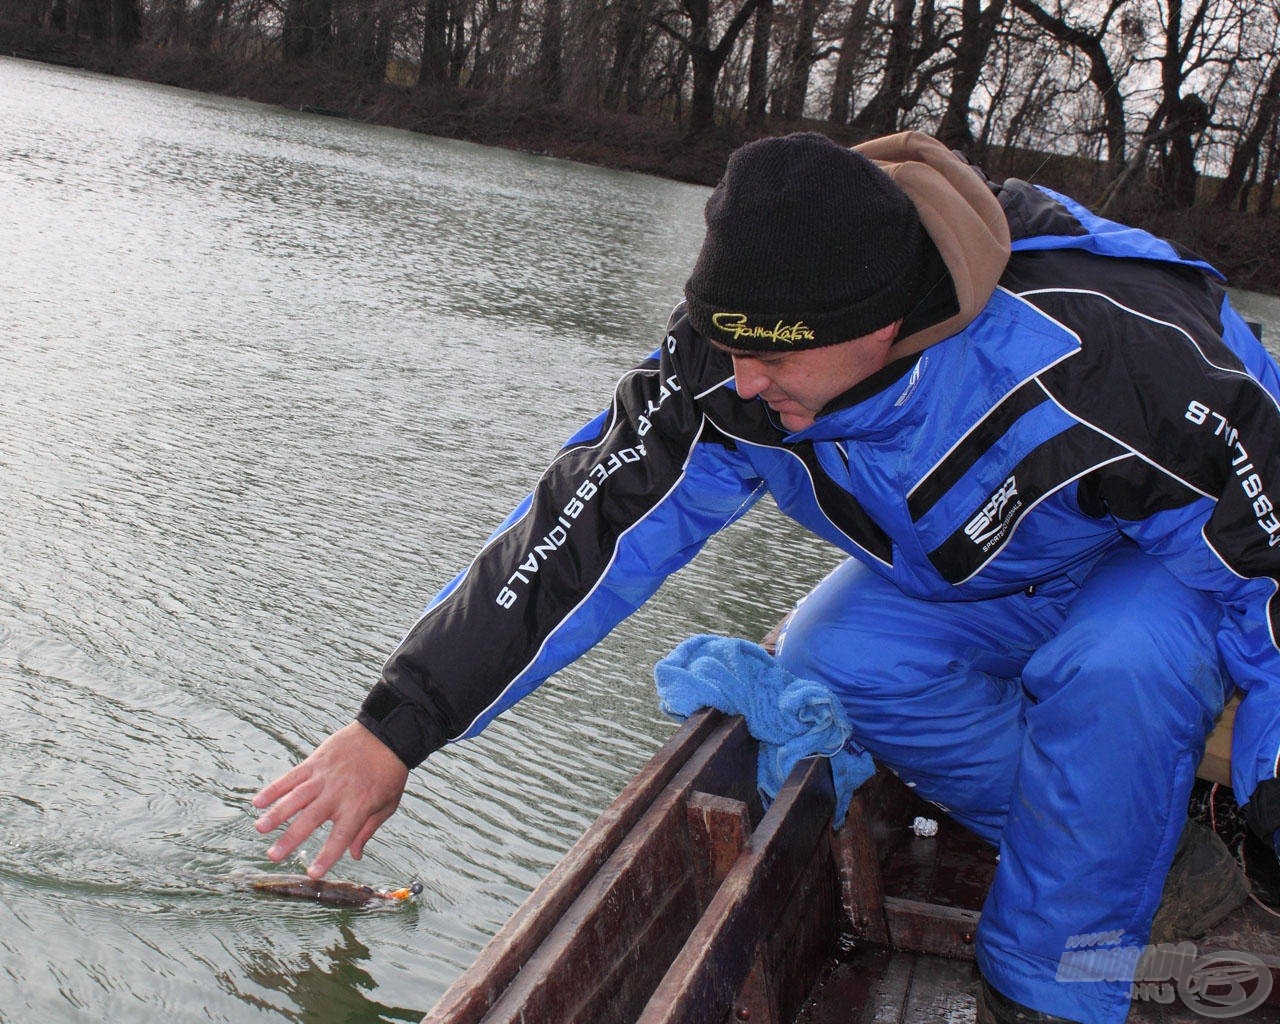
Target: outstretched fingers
370,827
352,780
286,783
349,833
335,846
281,808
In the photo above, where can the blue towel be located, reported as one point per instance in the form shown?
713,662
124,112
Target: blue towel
792,718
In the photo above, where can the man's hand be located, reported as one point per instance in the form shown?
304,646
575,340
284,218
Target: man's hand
352,779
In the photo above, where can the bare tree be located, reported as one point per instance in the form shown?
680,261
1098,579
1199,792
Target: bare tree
1021,81
204,23
631,38
433,68
1260,112
977,29
1270,173
758,68
802,57
111,21
908,47
1089,41
1198,45
1181,117
363,34
495,37
549,77
706,57
851,44
306,29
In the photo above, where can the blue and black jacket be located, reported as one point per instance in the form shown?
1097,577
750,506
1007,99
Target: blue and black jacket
1105,390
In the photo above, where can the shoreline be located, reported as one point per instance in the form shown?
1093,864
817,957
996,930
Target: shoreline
1244,247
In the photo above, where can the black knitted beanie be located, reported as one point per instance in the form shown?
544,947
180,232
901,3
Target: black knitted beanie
808,244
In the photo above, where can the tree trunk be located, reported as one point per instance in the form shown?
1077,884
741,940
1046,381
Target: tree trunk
635,87
1100,73
370,41
707,59
550,72
627,51
433,68
880,115
1178,174
489,44
1179,118
855,28
307,24
977,28
801,63
204,23
111,21
457,43
702,101
758,66
1267,111
1270,174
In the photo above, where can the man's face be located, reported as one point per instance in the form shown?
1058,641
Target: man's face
798,384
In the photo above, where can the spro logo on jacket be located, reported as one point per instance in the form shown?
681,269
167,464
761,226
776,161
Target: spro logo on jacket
993,520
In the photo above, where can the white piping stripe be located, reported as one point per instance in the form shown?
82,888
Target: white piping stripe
990,412
1127,447
461,580
1275,642
693,447
1234,371
614,412
604,436
714,387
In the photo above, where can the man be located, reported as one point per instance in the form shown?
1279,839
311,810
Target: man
1049,446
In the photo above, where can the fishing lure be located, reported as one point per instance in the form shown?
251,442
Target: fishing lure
330,892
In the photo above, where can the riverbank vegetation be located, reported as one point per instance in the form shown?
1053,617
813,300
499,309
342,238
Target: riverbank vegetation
1163,114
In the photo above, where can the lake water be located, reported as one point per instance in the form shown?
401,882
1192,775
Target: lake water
267,380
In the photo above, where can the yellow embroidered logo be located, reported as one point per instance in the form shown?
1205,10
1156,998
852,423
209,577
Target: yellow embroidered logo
736,326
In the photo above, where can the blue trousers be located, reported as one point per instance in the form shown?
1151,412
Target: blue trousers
1063,725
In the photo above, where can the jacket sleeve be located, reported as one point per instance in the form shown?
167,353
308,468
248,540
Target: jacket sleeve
1218,440
627,501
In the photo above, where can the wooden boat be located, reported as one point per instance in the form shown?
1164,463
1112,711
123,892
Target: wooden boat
686,902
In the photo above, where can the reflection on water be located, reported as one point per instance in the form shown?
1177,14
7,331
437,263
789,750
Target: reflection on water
268,381
331,984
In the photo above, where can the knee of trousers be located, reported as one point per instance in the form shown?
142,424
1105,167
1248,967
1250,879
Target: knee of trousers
1134,640
1131,678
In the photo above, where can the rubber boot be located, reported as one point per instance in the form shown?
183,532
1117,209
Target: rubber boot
1205,883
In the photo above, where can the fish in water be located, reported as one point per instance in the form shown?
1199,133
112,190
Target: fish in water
328,891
